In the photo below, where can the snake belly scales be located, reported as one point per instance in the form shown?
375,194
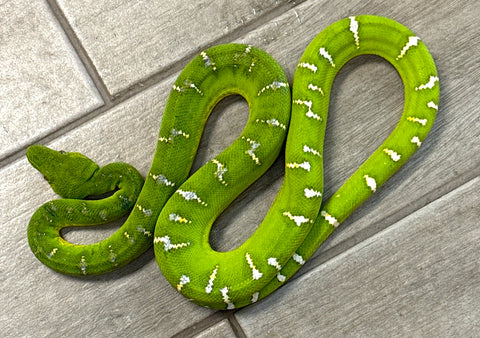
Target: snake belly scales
176,214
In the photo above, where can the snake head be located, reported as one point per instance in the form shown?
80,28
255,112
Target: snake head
67,173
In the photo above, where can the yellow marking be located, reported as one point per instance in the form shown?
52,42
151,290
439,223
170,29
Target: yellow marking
412,41
209,287
430,84
299,220
393,154
183,280
255,273
330,219
423,122
304,165
323,52
354,30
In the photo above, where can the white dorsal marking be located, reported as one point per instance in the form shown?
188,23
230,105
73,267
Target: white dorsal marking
432,104
273,86
393,154
429,85
329,218
208,61
161,180
315,88
167,244
183,280
354,30
310,193
309,66
251,152
323,52
190,195
272,123
299,220
304,165
226,299
371,183
213,275
416,140
221,169
423,122
412,41
178,219
273,262
255,273
299,259
307,149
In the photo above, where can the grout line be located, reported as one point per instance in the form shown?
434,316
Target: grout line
235,325
196,328
111,101
80,50
385,223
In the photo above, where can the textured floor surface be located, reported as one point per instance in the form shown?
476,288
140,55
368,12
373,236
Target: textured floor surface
93,76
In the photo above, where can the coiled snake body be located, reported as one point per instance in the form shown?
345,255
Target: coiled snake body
176,214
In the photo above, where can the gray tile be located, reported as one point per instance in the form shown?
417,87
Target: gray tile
365,106
222,329
43,84
134,301
130,40
139,300
419,277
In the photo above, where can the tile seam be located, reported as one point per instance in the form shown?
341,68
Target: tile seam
80,51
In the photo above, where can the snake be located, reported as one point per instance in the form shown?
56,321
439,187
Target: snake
174,211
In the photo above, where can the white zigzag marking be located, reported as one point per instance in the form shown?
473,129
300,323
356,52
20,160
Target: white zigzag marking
208,61
313,87
412,41
255,273
183,280
354,30
226,299
393,154
423,122
273,262
274,86
429,85
304,165
167,244
190,195
323,52
272,123
177,218
330,219
307,65
299,220
162,180
307,149
309,113
251,152
310,193
209,287
221,169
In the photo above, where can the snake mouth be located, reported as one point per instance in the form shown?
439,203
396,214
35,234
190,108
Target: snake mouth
34,155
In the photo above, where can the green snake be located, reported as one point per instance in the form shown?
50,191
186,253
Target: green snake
176,214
